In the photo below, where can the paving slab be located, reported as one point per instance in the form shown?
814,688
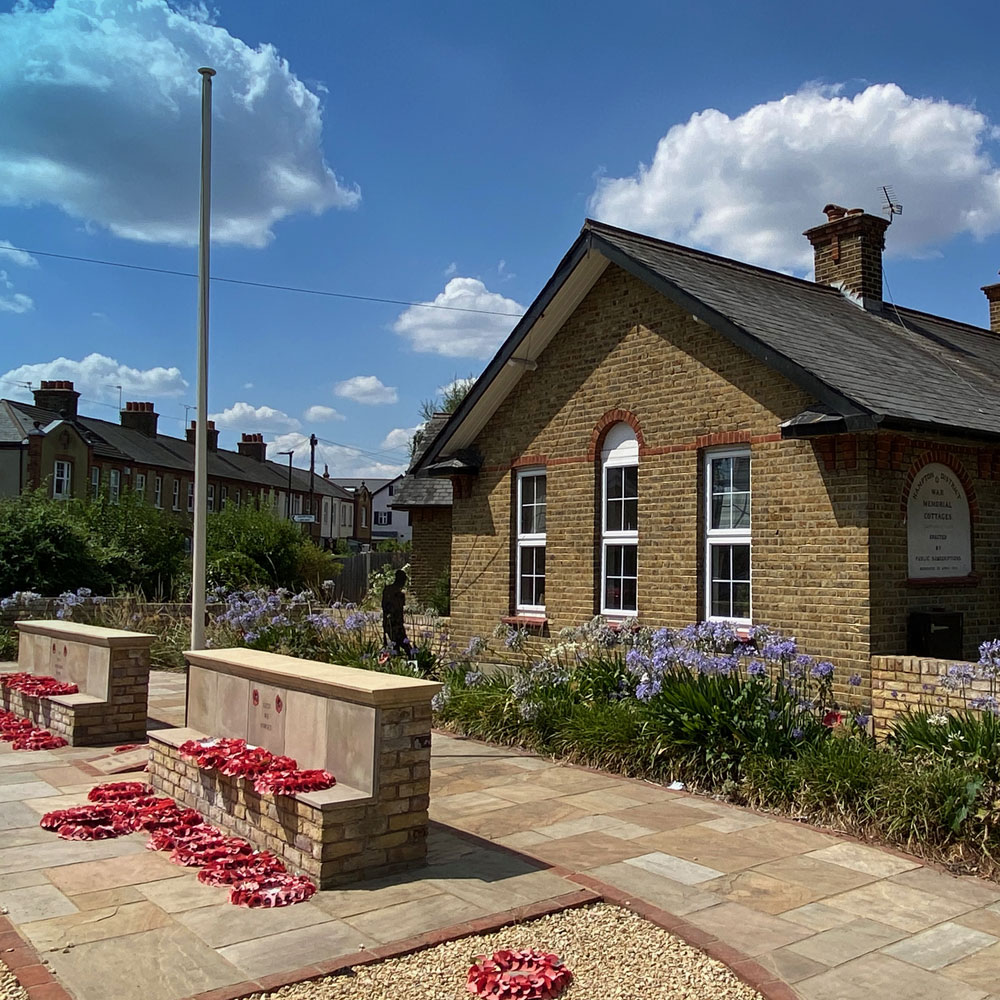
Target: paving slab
36,902
899,905
862,858
405,920
942,945
666,893
751,931
75,929
161,964
134,868
979,971
678,869
223,924
847,941
886,977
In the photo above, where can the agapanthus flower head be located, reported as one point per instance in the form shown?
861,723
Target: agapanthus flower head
822,671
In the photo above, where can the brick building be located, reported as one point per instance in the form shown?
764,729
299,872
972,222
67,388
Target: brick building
50,443
678,436
426,502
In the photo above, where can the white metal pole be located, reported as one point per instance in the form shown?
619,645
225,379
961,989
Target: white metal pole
201,423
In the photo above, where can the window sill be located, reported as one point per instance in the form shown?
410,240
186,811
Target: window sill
525,620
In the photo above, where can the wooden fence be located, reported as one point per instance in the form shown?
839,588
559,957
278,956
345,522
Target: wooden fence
351,583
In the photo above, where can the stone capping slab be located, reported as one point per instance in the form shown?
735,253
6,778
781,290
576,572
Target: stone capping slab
72,700
328,798
362,687
92,635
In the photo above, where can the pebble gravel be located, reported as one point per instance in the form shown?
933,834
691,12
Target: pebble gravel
10,988
612,953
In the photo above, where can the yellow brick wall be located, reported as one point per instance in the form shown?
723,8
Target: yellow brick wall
626,347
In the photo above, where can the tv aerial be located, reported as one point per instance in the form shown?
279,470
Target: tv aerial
891,206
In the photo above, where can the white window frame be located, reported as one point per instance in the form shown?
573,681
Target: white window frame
364,516
158,492
383,518
95,481
725,536
176,495
529,539
223,496
210,496
191,497
62,479
621,451
238,498
140,484
114,485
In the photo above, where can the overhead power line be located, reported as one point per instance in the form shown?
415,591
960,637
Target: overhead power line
265,284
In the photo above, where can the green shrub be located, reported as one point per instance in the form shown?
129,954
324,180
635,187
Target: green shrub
139,547
969,738
44,547
439,598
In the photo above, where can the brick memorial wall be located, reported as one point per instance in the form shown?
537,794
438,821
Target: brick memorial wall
370,730
109,666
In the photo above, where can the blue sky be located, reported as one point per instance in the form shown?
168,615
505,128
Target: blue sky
448,153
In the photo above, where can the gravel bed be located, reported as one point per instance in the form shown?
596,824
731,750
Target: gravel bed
10,988
612,953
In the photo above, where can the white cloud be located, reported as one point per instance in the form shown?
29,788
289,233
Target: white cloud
399,438
748,186
466,383
20,257
16,302
458,334
245,417
248,385
98,377
322,414
366,389
344,462
451,269
102,119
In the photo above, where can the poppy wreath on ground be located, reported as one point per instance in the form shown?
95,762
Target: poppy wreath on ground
525,974
23,734
166,838
38,739
77,814
288,782
128,746
196,852
272,890
118,791
241,868
164,813
37,685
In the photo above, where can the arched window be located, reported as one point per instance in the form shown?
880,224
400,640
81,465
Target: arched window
620,522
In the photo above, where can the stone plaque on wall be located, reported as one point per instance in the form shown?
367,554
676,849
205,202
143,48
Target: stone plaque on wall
938,530
266,717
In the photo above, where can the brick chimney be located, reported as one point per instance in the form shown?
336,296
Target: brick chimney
993,296
848,248
59,396
253,446
213,435
140,417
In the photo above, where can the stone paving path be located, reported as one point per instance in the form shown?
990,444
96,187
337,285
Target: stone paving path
836,919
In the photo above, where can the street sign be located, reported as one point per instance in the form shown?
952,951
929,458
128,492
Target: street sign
304,518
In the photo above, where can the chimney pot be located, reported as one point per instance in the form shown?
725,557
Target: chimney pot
848,252
57,395
140,417
252,445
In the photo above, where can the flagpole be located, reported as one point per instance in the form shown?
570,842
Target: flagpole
201,424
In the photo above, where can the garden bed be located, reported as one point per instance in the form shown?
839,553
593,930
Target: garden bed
613,955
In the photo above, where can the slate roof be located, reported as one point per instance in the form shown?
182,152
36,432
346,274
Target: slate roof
123,444
900,364
895,368
424,490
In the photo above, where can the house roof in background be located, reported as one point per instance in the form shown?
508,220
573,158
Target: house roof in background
424,491
374,485
129,446
897,367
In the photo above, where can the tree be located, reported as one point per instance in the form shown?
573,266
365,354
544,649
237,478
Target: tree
451,396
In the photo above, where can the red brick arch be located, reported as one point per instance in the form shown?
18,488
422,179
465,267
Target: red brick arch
607,421
941,457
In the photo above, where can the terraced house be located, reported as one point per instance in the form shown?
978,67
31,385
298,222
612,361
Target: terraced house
676,436
48,443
